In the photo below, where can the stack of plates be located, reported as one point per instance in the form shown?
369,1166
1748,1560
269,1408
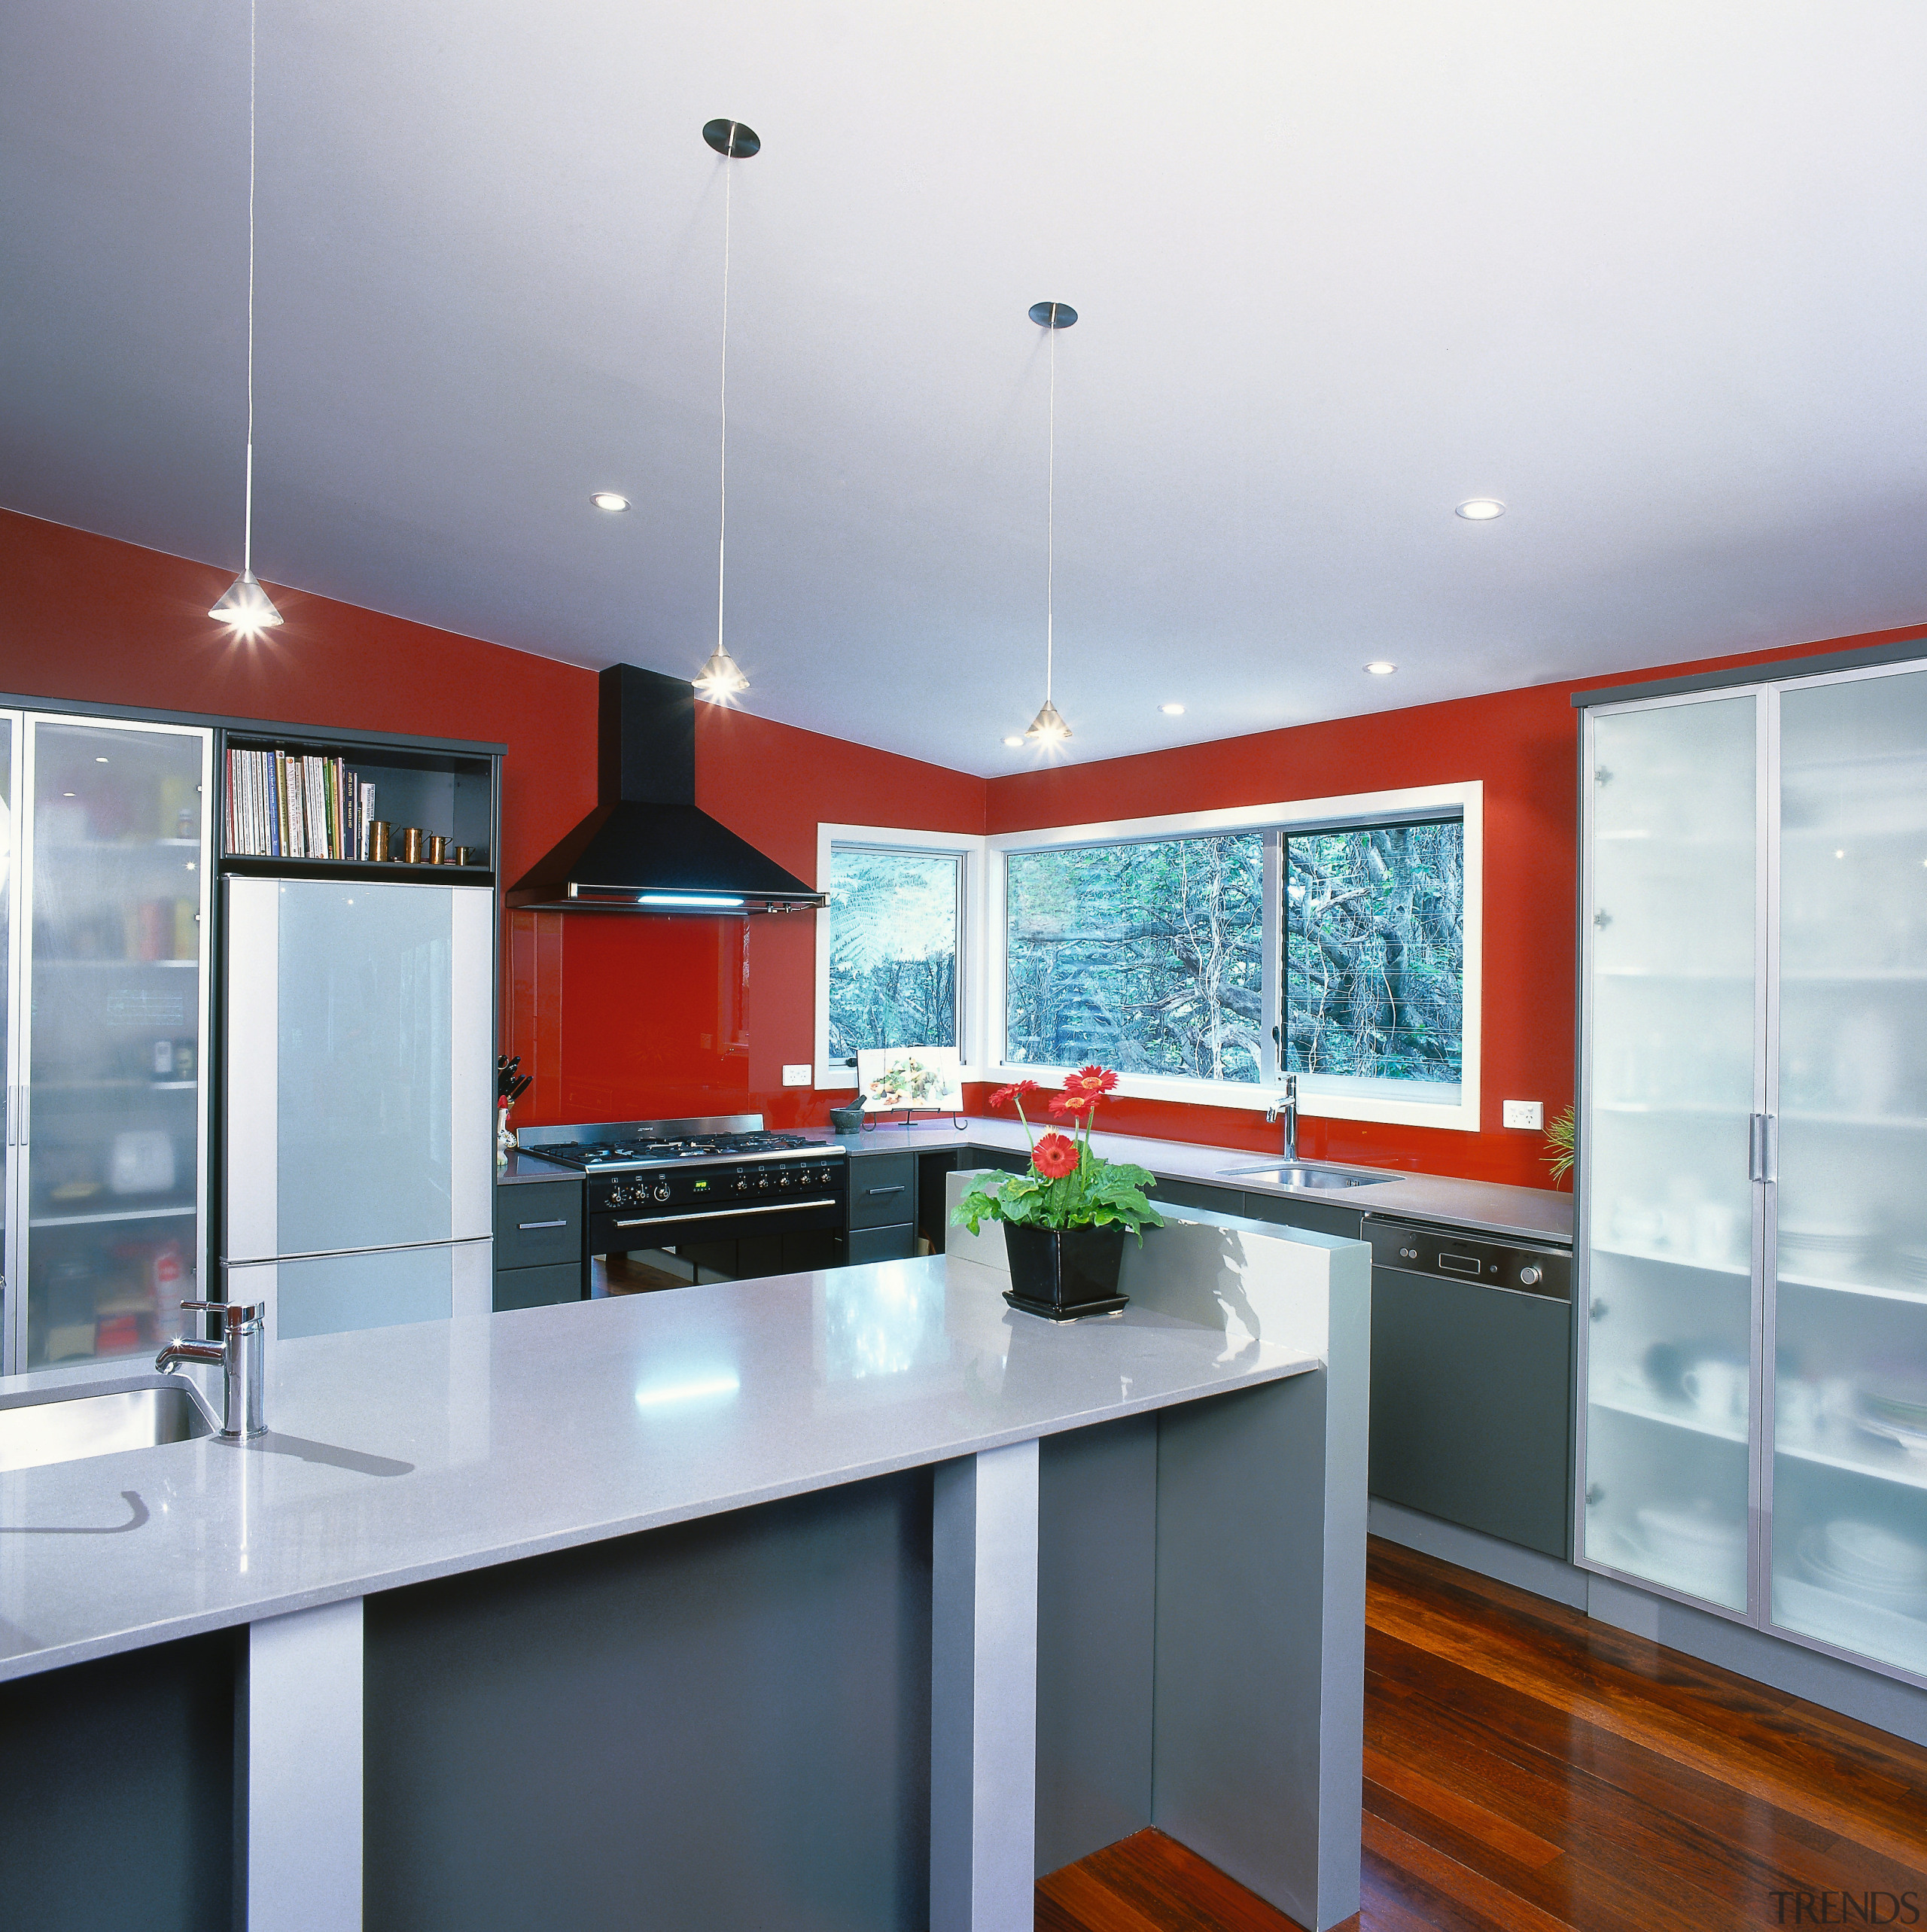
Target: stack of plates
1692,1538
1898,1414
1913,1266
1871,1565
1825,1249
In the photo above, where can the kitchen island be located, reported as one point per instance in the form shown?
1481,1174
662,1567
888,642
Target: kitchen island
848,1599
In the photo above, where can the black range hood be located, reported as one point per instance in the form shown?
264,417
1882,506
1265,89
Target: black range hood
646,847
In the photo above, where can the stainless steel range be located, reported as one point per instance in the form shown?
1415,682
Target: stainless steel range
685,1184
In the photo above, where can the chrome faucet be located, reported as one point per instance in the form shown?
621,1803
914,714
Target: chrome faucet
1287,1105
238,1355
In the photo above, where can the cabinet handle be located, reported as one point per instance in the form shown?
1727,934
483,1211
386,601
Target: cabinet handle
896,1190
541,1223
1762,1147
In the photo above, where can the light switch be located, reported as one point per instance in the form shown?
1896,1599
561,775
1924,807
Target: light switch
801,1076
1524,1113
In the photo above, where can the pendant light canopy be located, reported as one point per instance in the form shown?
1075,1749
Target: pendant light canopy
244,606
1048,727
721,678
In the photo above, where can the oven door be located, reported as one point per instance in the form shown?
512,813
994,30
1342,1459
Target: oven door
732,1244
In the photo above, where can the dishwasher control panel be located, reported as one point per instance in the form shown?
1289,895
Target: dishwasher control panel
1427,1249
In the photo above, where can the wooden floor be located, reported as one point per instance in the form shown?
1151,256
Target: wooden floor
1527,1769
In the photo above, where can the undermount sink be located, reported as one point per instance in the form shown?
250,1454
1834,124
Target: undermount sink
1296,1175
99,1418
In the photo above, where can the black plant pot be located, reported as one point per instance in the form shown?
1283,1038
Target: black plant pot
1065,1274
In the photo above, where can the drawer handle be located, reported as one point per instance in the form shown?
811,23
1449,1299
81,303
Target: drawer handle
541,1223
896,1190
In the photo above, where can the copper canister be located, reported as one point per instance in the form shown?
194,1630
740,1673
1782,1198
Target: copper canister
465,855
438,849
411,845
377,838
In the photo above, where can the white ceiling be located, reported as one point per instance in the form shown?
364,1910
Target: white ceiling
1654,274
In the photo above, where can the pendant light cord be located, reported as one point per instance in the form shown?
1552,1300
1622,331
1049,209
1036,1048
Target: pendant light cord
1050,520
722,475
247,493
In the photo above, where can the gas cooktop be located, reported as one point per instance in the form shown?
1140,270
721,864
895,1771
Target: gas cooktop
599,1156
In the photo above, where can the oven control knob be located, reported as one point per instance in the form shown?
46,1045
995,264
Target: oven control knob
1529,1277
763,1186
822,1179
742,1185
661,1189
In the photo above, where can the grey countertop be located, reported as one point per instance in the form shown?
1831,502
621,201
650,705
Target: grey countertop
406,1453
1531,1214
519,1167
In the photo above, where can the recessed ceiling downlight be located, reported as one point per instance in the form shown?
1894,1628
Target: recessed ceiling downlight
1480,509
1172,710
1013,742
608,500
1381,667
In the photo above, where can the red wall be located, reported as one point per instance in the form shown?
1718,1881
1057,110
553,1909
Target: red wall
632,1017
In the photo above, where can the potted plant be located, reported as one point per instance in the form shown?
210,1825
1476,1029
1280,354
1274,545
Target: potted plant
1065,1221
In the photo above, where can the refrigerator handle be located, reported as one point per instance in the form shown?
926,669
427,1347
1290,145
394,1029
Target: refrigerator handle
1763,1148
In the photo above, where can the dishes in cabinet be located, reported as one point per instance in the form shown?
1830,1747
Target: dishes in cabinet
1868,1562
1828,1250
1691,1536
1897,1412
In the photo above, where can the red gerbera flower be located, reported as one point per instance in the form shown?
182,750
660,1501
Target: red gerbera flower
1015,1091
1093,1079
1073,1104
1056,1156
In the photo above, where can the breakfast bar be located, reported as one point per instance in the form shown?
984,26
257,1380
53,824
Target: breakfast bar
852,1599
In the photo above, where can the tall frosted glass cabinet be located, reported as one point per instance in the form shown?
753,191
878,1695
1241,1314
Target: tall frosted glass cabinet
1753,1144
104,929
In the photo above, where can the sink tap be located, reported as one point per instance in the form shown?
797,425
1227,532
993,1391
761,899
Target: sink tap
1287,1105
238,1354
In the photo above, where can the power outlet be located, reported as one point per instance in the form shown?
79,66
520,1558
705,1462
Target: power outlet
1524,1113
801,1076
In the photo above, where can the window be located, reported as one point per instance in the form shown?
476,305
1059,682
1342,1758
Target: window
895,921
1147,957
1206,956
1374,952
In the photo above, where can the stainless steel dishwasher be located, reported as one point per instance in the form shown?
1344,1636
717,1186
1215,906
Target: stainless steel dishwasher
1471,1362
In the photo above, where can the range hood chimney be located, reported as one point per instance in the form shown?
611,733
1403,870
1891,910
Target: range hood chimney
646,847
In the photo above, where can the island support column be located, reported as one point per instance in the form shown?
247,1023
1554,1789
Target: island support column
298,1772
983,1692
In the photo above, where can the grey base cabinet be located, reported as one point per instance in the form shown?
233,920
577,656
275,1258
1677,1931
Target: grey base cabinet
538,1244
882,1221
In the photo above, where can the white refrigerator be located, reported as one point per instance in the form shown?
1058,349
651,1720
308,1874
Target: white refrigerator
357,1129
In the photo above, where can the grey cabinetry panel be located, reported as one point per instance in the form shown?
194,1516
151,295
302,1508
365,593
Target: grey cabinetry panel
537,1288
1346,1221
1197,1193
883,1189
896,1244
538,1224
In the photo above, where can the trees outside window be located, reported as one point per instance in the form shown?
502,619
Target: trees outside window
1149,955
1374,952
894,925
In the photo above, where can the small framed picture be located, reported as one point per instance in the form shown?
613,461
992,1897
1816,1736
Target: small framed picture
922,1079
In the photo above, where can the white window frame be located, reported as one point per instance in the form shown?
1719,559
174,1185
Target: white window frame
1333,1097
972,937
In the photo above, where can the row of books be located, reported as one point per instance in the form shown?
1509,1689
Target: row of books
281,805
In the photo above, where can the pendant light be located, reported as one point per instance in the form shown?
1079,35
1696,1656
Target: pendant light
1048,727
244,606
721,679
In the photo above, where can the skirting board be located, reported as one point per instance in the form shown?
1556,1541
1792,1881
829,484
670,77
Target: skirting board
1830,1682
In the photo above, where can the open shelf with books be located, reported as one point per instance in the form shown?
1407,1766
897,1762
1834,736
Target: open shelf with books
344,804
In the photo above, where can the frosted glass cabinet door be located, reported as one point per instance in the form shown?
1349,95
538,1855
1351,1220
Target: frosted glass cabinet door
12,1337
113,895
1670,1079
359,1071
1849,1466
